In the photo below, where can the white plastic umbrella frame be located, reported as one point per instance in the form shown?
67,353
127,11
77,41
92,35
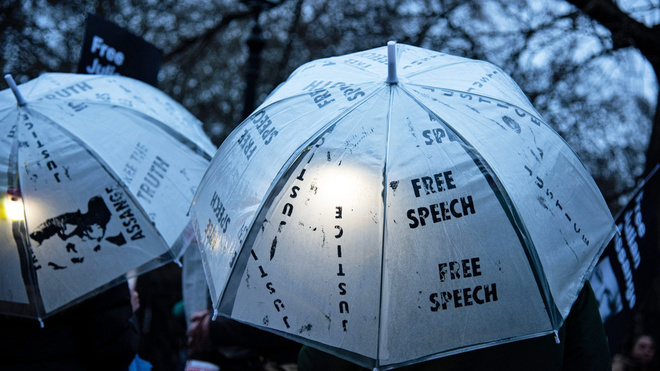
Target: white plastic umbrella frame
96,178
397,205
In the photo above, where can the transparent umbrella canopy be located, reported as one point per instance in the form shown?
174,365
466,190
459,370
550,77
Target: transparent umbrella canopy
96,177
397,205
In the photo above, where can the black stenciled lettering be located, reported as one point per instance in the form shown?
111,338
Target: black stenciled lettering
247,144
262,122
548,195
301,177
322,97
341,285
433,183
454,270
442,211
278,304
220,212
294,191
457,269
288,209
152,180
433,298
126,215
463,297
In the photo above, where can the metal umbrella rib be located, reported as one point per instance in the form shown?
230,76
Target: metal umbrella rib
19,231
175,135
390,90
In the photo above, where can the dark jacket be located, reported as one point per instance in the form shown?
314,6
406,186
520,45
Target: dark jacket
583,347
98,334
240,347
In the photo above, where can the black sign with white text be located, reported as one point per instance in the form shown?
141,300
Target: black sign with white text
111,50
629,265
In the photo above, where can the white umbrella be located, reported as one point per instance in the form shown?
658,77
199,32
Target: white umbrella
392,218
96,178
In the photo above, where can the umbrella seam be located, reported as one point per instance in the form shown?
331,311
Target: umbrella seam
444,66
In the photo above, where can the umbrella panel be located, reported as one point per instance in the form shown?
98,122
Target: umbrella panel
323,193
454,259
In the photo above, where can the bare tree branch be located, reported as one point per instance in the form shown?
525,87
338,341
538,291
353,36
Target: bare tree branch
627,31
200,40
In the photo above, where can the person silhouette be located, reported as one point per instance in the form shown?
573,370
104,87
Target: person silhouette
87,226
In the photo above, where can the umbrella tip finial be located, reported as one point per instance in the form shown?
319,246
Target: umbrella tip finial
12,85
391,63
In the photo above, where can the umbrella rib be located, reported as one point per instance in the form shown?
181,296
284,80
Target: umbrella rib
439,67
340,60
510,210
384,233
481,96
29,275
521,230
171,132
19,231
267,103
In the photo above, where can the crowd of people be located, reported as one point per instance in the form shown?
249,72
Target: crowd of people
638,354
102,333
